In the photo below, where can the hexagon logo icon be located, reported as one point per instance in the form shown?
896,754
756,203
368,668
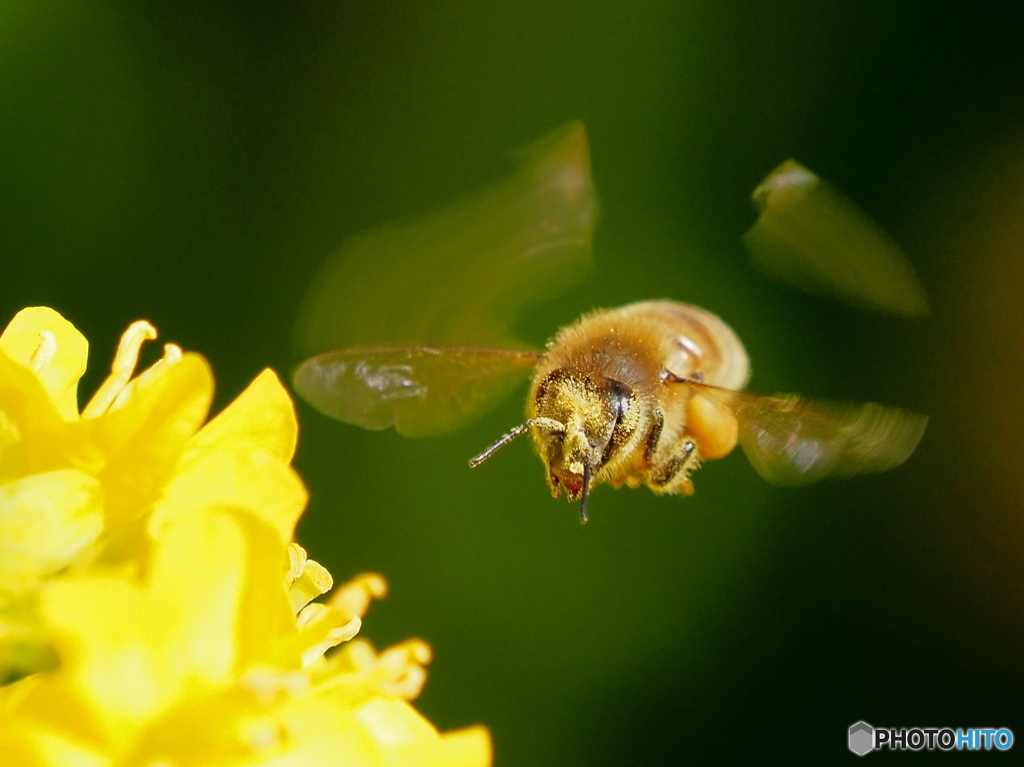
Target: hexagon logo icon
862,738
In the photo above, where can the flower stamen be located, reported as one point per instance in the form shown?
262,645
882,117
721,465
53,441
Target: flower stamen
354,597
306,579
121,371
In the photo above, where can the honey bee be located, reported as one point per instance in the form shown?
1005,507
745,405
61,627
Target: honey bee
639,395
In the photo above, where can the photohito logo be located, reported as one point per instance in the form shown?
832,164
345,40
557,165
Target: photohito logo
863,738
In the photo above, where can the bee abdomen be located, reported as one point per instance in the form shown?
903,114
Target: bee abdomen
695,343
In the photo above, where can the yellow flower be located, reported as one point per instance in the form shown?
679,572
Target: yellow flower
150,559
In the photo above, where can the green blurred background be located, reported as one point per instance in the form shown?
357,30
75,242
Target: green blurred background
193,164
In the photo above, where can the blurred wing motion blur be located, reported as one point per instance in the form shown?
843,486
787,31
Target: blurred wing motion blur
409,324
793,441
420,390
811,236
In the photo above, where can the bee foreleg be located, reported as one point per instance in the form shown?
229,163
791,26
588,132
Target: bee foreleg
654,435
678,467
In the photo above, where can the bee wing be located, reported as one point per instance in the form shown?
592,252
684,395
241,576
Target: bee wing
794,441
810,235
420,390
459,275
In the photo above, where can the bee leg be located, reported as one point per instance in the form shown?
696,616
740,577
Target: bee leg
673,475
654,435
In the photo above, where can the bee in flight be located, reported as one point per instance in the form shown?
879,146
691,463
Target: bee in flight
407,326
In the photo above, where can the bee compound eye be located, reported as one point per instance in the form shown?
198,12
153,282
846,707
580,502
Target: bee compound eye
622,395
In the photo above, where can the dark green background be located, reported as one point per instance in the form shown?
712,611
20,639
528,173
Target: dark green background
194,163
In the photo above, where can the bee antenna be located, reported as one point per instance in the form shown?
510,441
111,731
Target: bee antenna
586,492
547,423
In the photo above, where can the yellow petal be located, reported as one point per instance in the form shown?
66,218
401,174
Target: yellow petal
330,728
212,606
131,651
261,418
266,621
235,726
46,343
404,738
35,744
468,747
136,446
24,641
31,428
240,459
44,723
241,478
46,521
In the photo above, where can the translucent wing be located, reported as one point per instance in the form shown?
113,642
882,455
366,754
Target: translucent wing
410,322
420,390
459,275
810,235
793,441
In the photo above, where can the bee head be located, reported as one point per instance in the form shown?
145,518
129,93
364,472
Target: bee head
579,424
599,417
